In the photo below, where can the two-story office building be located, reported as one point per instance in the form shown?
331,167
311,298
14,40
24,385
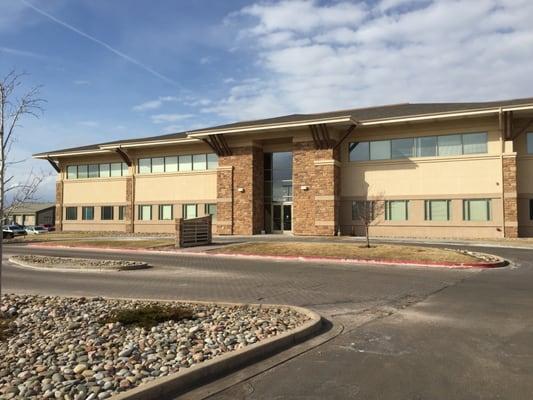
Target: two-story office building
431,170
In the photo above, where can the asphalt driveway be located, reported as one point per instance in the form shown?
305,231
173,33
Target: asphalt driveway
409,333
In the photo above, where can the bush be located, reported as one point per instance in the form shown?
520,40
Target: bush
149,315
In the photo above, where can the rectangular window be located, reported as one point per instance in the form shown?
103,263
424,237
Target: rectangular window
104,171
106,213
145,165
211,209
212,161
189,211
171,164
475,143
82,172
125,169
531,209
116,169
380,150
403,148
397,210
363,210
71,213
185,163
529,139
450,145
87,213
72,172
145,213
426,146
437,210
199,162
165,212
359,151
121,212
158,165
477,210
94,171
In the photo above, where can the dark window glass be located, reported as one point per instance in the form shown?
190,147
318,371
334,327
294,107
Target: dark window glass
71,213
359,151
403,148
94,171
531,209
82,171
106,213
121,212
87,213
426,146
211,209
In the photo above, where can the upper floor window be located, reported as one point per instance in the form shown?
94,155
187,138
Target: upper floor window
97,170
529,139
188,162
427,146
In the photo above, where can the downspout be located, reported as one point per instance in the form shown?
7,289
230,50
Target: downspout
502,126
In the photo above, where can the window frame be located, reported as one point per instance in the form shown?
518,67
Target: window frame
388,210
141,214
160,212
529,143
121,213
185,213
76,171
428,215
467,210
67,209
355,213
207,209
85,215
103,217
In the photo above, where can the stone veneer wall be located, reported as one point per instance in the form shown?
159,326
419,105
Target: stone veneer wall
59,206
129,216
315,211
240,213
510,202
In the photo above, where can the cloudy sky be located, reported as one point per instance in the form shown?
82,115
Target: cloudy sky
130,68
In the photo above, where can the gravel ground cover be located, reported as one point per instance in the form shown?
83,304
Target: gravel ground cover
62,348
77,263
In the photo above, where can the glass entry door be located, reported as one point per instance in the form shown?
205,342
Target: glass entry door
282,217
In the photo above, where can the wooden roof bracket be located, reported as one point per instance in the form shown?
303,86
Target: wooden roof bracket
124,156
218,144
348,132
53,164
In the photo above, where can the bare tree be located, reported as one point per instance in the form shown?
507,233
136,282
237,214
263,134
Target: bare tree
13,108
366,212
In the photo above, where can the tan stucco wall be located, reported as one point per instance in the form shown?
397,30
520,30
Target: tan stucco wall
425,178
525,182
104,191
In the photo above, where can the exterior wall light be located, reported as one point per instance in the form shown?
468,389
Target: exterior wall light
241,190
304,188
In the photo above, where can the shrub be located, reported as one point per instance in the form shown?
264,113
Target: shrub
149,315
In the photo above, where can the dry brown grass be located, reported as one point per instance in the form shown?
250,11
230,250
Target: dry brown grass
348,250
120,244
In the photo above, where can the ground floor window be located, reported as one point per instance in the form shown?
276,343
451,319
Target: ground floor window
397,210
531,209
121,212
106,213
363,210
145,213
165,212
190,211
87,213
71,213
211,209
437,210
477,210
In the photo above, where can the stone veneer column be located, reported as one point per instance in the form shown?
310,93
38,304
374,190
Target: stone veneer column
59,206
315,211
510,196
129,216
240,213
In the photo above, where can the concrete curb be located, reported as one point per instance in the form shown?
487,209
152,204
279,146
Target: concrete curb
78,269
207,371
499,263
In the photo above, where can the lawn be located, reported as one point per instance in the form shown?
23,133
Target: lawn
120,243
347,250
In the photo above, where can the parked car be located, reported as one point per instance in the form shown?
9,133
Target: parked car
36,230
48,227
7,234
16,230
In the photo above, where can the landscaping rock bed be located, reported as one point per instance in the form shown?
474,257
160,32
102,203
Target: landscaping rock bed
63,348
77,263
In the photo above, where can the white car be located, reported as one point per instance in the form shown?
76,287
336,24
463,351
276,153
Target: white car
36,230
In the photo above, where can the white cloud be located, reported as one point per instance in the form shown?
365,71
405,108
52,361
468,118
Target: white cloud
154,104
313,57
161,118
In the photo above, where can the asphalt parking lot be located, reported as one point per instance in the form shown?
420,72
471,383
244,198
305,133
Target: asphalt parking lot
407,332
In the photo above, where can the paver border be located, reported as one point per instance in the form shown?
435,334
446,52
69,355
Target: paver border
140,266
207,371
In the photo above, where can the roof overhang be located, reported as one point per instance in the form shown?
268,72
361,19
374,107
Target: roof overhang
148,143
69,154
283,125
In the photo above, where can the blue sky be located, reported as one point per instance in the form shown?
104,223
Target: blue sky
130,68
